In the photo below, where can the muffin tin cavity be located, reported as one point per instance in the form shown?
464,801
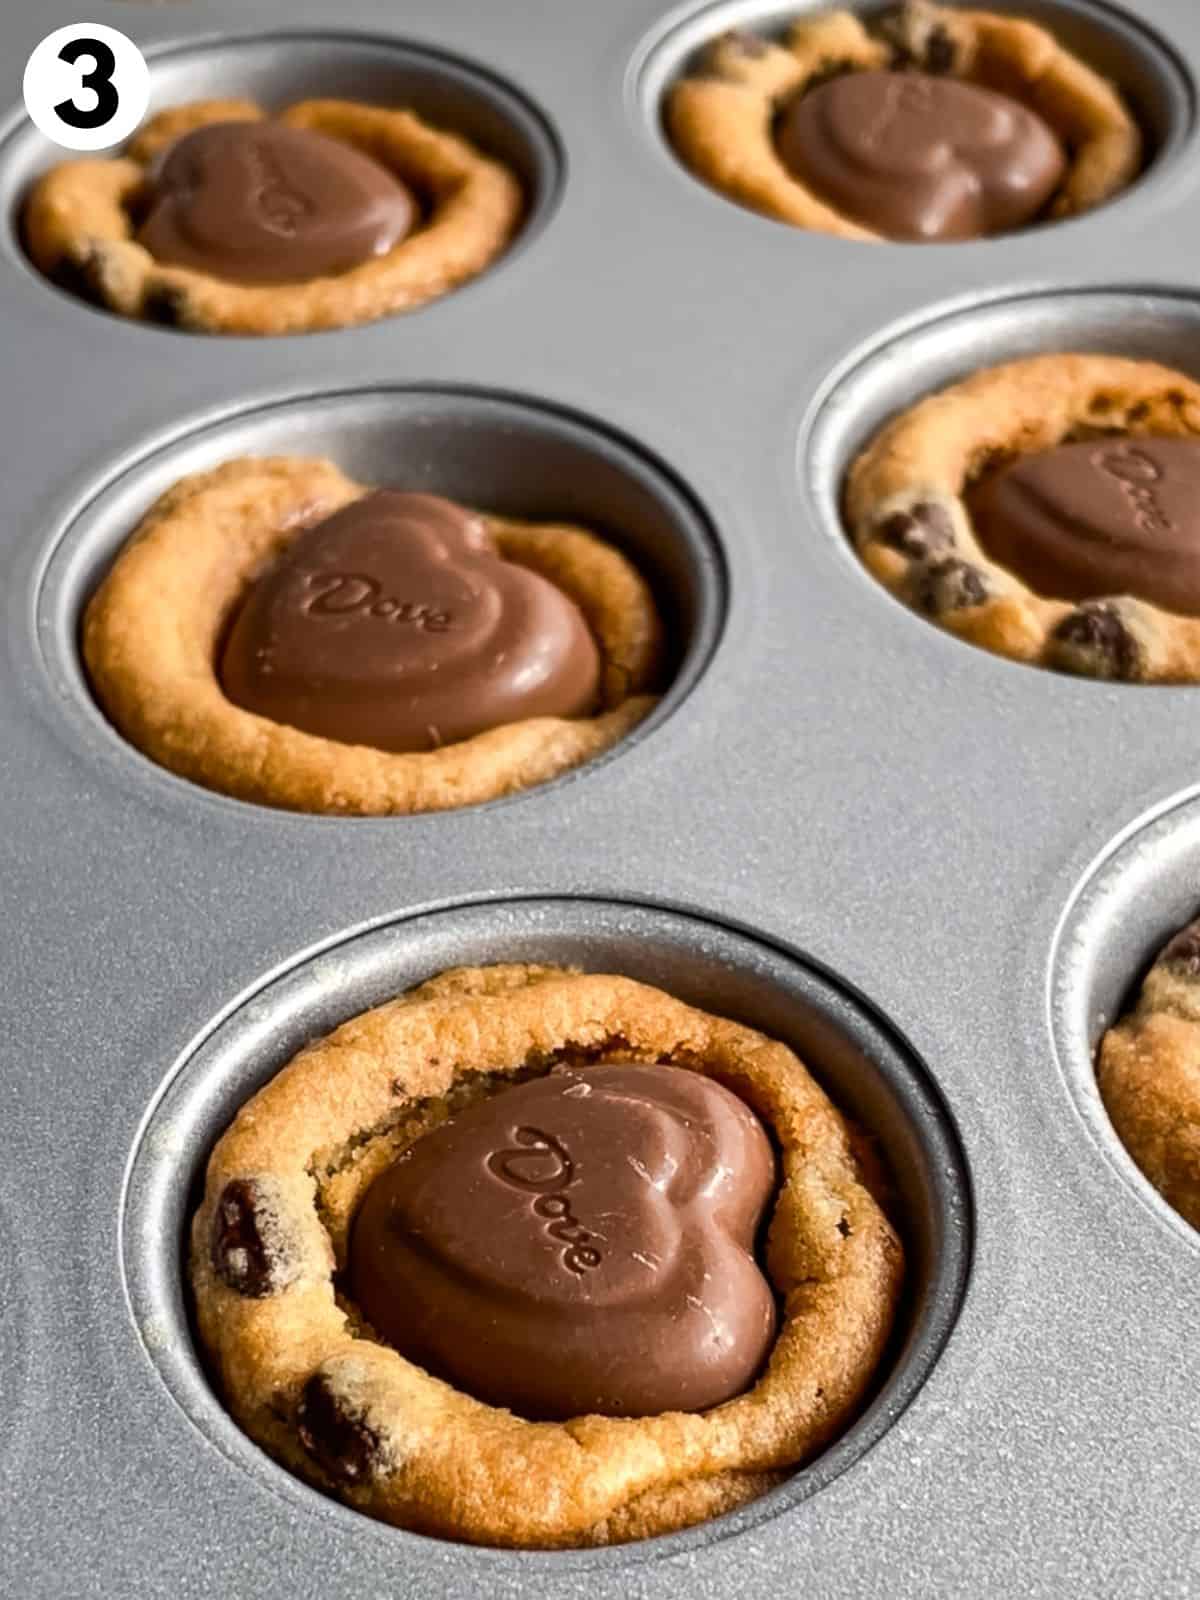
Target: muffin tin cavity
1139,893
864,1067
1153,82
278,69
492,452
904,365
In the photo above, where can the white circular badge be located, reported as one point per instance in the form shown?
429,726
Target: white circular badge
86,86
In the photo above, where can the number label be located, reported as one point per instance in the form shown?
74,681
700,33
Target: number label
86,86
98,83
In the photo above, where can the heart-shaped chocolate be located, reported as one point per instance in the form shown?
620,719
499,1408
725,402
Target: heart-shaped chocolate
1100,517
259,202
918,157
583,1243
395,623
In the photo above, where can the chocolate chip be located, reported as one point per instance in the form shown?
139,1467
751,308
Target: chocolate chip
894,26
914,43
79,276
924,530
1098,642
939,51
948,585
343,1445
166,305
239,1255
1183,951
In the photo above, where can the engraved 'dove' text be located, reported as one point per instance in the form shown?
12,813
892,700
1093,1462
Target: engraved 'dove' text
1136,474
342,594
542,1166
280,206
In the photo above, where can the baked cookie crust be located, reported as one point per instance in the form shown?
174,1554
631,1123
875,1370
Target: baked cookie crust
79,229
906,516
720,119
152,632
306,1378
1149,1075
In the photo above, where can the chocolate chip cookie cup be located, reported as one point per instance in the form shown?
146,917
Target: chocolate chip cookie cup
279,1256
276,632
1044,509
1149,1079
219,219
592,510
926,123
1124,1018
705,967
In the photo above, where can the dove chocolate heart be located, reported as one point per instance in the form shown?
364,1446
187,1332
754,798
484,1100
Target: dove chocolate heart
583,1243
921,158
395,623
258,202
1104,517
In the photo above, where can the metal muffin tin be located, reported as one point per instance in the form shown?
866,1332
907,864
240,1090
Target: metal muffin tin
937,872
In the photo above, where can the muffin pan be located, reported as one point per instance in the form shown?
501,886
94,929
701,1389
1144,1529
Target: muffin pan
935,872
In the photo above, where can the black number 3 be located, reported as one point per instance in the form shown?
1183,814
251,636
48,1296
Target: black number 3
99,80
